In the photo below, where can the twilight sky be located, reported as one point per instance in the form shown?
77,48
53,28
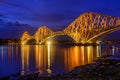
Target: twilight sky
56,14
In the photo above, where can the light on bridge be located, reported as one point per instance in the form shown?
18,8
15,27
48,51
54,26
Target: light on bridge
23,43
48,42
82,42
98,42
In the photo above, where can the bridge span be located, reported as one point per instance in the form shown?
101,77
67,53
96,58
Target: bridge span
87,28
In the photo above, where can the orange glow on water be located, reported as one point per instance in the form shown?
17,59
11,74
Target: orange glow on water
25,58
90,54
46,55
78,55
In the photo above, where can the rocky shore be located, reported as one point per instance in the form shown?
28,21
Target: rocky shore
101,69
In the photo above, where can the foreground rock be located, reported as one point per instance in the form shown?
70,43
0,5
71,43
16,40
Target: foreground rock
101,69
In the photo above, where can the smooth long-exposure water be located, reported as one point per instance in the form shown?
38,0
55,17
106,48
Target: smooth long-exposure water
46,59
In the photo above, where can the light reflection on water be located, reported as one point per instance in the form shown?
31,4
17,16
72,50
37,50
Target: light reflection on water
46,59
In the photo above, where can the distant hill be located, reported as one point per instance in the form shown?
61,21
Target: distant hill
14,30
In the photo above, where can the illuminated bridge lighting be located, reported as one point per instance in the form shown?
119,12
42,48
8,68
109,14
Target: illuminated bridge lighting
49,42
87,27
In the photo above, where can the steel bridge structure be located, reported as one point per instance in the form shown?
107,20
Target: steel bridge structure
88,27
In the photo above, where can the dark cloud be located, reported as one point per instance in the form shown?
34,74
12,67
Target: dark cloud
1,15
55,12
49,17
15,4
2,1
10,4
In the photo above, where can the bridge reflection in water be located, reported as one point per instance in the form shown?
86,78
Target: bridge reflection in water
52,59
45,59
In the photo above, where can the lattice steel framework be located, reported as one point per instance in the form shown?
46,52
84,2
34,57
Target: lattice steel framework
42,33
87,27
91,24
25,36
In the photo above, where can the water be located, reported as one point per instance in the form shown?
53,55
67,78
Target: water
110,49
46,59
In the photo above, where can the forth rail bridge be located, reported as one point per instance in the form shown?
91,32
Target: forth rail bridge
89,27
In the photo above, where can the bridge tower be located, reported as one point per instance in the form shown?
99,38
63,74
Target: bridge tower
25,37
42,33
90,26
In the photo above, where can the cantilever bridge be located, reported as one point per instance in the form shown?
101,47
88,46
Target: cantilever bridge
88,27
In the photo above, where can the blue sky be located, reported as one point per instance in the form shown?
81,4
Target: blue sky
56,14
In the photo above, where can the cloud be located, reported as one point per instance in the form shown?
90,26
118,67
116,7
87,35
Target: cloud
15,4
49,17
1,15
52,12
10,4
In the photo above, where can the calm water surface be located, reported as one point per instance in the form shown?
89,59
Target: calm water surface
46,59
